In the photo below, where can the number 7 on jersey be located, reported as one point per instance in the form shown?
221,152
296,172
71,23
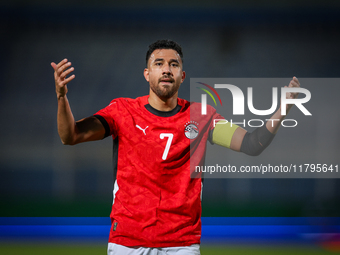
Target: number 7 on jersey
168,143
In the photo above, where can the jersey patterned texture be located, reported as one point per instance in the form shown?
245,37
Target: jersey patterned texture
156,202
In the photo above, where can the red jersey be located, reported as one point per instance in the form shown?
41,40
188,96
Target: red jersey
155,201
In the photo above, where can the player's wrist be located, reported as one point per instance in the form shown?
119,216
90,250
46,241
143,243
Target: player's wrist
61,93
61,96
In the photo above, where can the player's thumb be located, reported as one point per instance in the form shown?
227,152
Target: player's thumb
54,66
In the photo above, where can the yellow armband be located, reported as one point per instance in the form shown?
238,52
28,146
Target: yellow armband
223,132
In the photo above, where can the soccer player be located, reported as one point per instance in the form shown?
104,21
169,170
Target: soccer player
156,204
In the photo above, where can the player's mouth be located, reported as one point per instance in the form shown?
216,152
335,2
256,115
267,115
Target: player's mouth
166,81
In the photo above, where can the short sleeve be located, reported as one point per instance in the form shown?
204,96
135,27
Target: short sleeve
107,116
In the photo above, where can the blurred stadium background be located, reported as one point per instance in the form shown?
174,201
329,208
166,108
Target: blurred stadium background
45,186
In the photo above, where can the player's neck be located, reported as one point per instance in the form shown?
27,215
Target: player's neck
163,105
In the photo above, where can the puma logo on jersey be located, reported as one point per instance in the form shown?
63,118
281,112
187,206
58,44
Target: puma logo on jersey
142,128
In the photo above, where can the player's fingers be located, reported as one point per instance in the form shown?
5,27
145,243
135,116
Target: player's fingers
67,72
62,62
296,81
62,68
293,84
54,66
60,71
67,80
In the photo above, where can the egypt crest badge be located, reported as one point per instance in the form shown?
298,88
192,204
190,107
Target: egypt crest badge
191,130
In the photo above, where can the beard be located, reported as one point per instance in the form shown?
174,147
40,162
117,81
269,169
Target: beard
165,91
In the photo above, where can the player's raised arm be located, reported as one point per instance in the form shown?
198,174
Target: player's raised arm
254,143
275,121
71,132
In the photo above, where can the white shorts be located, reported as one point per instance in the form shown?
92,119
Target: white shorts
116,249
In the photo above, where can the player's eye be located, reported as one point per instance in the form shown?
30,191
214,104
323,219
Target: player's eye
174,64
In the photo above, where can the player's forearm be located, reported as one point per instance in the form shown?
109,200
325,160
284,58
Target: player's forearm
66,122
274,123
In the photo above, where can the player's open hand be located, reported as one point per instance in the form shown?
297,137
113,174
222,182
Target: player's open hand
61,70
294,83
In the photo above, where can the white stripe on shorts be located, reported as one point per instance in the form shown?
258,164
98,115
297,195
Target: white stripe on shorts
116,249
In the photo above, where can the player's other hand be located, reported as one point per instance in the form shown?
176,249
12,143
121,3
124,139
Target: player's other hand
61,70
294,83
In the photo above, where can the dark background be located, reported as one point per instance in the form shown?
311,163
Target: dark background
106,42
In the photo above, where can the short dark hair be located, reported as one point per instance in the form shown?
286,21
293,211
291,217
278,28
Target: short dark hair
164,44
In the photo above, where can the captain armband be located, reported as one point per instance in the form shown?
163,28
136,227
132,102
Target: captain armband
222,133
254,143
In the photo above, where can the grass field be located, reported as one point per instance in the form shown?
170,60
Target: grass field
97,249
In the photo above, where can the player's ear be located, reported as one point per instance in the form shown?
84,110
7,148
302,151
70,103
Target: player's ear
183,76
146,74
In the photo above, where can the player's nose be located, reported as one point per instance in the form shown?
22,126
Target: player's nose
166,69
